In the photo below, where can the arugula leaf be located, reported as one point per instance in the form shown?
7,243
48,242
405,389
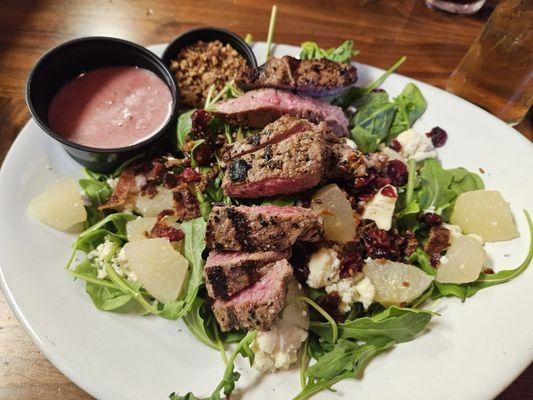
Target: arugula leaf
184,128
410,105
393,324
341,54
372,120
230,377
198,325
347,359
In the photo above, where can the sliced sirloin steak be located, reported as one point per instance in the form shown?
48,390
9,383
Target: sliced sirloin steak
229,272
308,77
258,108
261,228
257,306
274,132
290,166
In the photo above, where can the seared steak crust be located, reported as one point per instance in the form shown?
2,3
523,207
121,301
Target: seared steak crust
261,228
273,133
291,166
258,108
309,77
257,306
227,273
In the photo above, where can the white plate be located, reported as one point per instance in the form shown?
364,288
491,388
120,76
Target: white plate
473,351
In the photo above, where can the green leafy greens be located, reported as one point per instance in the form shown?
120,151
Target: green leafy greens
230,377
342,53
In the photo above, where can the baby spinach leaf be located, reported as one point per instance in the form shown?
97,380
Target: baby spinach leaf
410,105
435,186
372,120
342,53
393,324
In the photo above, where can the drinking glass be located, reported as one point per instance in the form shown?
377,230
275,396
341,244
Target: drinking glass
497,71
466,7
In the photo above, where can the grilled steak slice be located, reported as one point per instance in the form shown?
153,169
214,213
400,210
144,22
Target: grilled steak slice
273,133
227,273
345,162
257,306
261,228
258,108
291,166
308,77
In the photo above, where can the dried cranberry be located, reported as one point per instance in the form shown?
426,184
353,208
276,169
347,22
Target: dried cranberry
362,181
330,303
438,136
397,172
430,219
388,191
380,244
170,180
190,175
434,259
200,124
395,145
351,264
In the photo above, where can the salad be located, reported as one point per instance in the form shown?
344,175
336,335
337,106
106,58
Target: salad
296,220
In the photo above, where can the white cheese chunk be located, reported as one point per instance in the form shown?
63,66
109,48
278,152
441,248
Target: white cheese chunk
323,268
381,208
353,289
416,145
278,348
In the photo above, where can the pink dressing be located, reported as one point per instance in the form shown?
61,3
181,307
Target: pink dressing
111,107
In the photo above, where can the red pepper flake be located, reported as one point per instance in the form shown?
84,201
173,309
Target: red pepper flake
190,175
405,284
389,191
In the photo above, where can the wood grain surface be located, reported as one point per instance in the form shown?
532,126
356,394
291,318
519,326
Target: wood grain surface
434,43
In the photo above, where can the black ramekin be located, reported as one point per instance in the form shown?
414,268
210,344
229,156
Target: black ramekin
208,35
66,62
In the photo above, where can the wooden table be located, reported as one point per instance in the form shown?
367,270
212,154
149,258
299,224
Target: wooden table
383,30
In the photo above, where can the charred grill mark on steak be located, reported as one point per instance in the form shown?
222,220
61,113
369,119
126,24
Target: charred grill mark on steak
257,306
310,77
217,280
240,225
227,273
237,170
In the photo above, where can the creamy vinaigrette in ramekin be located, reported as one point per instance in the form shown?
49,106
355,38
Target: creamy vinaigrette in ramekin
111,107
